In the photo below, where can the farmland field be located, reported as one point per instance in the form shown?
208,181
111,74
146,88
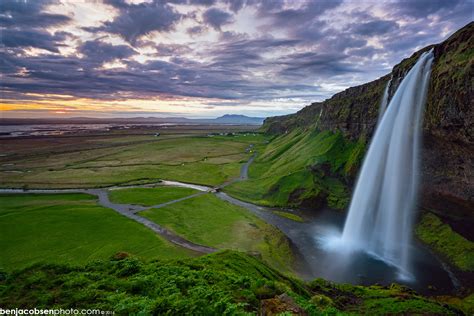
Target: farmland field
117,159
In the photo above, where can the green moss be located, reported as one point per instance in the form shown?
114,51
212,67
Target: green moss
379,300
224,283
465,304
322,301
438,235
355,157
291,216
338,195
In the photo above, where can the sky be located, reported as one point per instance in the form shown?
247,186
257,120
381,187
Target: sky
204,58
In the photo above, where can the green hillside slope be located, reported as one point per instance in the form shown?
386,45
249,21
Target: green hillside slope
226,283
303,168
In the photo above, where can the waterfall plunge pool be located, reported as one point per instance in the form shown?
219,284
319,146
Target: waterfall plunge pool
319,242
315,258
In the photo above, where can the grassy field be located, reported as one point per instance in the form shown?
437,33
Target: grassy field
210,221
149,196
71,228
105,160
302,166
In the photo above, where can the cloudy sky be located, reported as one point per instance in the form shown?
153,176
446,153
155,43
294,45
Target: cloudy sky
204,58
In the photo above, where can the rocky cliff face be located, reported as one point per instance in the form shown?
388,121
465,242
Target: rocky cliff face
448,150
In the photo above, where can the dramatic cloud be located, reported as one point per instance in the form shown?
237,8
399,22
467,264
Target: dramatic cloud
14,13
216,18
98,51
140,19
376,27
23,22
206,57
32,38
422,8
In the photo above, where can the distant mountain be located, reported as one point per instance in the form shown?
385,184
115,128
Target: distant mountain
228,119
239,119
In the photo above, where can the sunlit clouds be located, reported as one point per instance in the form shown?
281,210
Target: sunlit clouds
204,58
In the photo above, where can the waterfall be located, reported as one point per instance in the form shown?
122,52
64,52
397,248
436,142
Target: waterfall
382,207
384,102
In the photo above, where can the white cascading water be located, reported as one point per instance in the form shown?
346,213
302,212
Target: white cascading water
384,102
382,206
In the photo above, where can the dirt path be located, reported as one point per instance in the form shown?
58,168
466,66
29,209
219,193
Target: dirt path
131,210
127,210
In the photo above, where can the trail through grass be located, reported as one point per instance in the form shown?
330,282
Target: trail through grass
71,228
149,196
213,222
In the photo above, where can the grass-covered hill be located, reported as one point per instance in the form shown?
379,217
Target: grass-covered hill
305,168
448,121
225,283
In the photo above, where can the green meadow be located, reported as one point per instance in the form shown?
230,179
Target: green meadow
149,196
213,222
117,160
71,228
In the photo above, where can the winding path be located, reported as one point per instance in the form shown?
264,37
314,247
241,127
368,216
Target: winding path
311,261
130,210
127,210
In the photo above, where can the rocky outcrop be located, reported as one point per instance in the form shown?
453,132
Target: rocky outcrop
448,128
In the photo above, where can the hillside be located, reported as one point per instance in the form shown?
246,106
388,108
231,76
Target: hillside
447,185
225,283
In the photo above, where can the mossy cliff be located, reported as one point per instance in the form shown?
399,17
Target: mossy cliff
448,149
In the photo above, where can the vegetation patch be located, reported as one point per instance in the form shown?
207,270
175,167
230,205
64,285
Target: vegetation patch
108,161
438,235
302,168
149,196
211,221
225,283
291,216
466,304
71,228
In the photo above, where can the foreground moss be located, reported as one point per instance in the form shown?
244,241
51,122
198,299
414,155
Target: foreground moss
225,283
466,304
438,235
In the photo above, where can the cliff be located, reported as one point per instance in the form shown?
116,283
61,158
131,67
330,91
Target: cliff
448,147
